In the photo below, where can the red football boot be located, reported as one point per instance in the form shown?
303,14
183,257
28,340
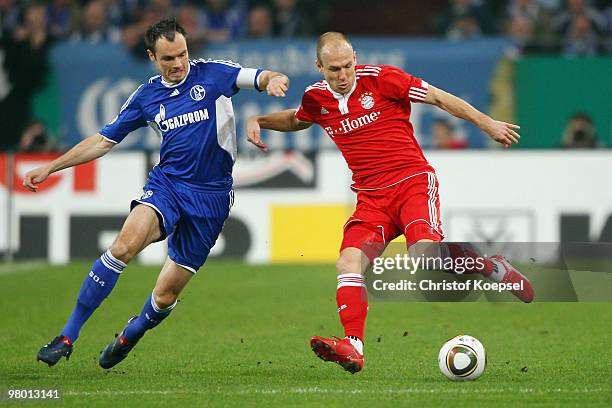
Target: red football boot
507,273
338,350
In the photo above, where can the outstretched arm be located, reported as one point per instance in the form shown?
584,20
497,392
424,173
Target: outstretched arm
275,83
501,132
87,150
283,121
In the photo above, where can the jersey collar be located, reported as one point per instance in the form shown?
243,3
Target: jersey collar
342,99
173,85
339,95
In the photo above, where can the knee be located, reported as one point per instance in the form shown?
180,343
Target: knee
164,299
123,250
346,264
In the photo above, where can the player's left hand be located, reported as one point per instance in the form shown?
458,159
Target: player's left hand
278,85
503,132
254,133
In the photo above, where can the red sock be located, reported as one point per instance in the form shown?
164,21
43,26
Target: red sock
460,251
352,300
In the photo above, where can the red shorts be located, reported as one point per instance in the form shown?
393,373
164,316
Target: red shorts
411,207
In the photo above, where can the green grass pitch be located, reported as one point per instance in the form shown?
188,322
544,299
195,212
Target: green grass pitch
239,337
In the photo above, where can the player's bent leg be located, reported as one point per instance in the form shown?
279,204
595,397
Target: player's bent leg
198,218
139,230
496,268
171,281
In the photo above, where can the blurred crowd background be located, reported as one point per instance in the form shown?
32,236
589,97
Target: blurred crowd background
569,28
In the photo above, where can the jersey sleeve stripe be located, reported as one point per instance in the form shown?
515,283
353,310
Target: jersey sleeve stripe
129,99
225,62
317,85
310,88
418,91
417,97
216,61
320,85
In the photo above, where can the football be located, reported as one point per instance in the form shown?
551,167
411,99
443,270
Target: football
462,358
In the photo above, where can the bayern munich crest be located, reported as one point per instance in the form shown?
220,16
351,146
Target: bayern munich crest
367,101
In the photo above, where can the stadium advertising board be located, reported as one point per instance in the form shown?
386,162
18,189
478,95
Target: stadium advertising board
76,212
486,196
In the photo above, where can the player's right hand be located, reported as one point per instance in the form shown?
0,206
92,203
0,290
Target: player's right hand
35,177
254,134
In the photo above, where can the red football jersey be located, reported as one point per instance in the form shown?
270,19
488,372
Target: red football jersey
371,124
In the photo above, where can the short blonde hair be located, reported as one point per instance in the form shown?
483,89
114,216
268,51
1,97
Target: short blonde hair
327,37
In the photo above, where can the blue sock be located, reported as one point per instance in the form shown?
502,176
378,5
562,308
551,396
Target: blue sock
98,284
150,316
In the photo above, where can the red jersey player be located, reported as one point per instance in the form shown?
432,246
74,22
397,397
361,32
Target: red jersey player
365,109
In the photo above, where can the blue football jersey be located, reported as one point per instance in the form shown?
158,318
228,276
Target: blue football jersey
194,119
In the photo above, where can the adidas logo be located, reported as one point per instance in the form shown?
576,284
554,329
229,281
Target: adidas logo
324,111
175,93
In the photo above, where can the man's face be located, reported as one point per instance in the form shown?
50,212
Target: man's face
171,58
338,66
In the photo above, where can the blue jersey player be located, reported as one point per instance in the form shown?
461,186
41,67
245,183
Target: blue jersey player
188,195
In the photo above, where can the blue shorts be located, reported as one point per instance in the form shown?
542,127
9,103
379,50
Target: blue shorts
191,220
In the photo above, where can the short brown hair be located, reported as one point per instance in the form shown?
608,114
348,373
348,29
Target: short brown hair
164,28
